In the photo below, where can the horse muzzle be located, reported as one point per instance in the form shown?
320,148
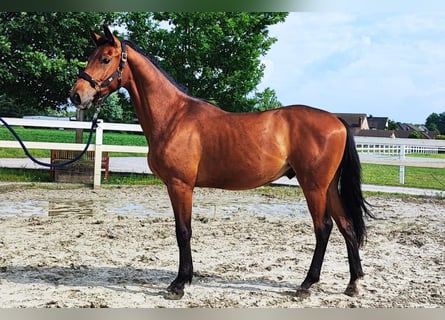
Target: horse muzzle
82,101
75,99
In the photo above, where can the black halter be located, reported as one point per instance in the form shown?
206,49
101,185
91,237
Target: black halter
116,74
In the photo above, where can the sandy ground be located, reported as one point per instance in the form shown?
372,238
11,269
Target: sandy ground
70,246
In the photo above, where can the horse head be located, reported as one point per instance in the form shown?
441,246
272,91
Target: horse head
103,73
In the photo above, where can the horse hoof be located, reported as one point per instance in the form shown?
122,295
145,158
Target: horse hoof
351,290
174,294
303,293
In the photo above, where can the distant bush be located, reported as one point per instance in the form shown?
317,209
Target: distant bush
415,135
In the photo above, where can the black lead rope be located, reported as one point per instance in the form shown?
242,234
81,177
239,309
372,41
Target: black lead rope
54,165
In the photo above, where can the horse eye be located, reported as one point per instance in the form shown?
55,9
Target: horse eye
106,60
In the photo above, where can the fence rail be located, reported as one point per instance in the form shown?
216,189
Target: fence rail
391,146
387,151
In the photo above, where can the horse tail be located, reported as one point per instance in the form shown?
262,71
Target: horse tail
354,204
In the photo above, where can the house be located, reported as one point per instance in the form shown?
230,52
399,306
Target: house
377,123
356,121
362,125
407,130
376,133
378,127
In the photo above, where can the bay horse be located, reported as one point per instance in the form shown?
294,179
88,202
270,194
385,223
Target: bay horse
193,143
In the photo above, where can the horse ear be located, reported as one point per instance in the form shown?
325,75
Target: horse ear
95,37
109,35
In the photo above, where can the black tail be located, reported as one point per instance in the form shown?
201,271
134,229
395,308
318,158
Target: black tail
351,187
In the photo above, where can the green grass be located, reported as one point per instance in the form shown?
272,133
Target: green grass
42,175
131,179
427,155
24,175
431,178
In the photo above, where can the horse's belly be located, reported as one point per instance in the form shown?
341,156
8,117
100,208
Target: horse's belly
243,162
239,178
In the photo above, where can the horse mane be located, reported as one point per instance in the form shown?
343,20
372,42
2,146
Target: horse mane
155,62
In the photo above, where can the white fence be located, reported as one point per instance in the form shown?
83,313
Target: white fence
386,151
98,147
393,147
393,151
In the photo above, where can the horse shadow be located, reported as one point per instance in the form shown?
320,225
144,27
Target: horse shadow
150,281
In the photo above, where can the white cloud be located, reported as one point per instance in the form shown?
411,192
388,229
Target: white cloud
380,64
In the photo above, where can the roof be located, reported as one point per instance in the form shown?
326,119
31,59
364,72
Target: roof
355,120
404,130
376,133
379,123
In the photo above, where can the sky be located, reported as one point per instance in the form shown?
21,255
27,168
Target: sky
379,63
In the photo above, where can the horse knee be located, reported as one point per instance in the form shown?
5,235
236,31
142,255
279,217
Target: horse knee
323,230
327,223
183,235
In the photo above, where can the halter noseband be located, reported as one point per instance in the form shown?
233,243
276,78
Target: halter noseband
116,74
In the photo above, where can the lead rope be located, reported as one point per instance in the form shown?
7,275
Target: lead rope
60,164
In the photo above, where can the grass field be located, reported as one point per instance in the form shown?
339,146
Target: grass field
430,178
372,174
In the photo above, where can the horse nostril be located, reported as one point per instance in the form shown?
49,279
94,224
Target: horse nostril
75,98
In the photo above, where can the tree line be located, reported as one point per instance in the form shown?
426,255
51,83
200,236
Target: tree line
216,55
436,122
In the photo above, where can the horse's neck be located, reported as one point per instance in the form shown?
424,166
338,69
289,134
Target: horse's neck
156,100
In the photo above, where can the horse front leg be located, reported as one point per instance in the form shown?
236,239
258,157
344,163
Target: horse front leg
181,199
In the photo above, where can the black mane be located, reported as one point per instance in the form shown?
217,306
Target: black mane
155,62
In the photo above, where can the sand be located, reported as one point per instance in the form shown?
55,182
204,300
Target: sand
65,245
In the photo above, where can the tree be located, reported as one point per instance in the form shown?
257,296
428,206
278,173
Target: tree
216,55
266,100
40,54
436,122
7,107
116,108
392,125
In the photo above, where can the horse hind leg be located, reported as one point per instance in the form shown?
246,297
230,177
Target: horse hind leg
316,200
346,228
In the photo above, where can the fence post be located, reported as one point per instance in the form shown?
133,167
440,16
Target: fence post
98,155
402,168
